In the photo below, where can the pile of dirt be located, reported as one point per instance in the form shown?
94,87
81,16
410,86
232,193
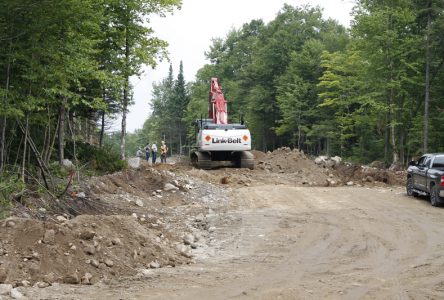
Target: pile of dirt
138,221
366,175
84,250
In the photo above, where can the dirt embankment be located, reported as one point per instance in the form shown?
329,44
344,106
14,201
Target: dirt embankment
125,223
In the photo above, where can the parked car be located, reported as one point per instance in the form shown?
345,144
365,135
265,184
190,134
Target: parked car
426,177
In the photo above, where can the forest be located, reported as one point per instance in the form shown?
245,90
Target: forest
368,92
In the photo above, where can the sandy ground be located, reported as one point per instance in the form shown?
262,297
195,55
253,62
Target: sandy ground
287,242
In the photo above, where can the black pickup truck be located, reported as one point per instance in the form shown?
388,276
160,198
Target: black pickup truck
426,177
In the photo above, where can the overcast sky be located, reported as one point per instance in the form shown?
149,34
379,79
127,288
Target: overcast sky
189,32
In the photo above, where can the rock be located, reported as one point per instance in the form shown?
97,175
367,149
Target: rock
42,285
116,241
25,283
134,162
5,289
67,163
139,202
193,246
87,235
49,237
71,279
73,248
225,180
350,183
211,229
188,239
16,294
169,187
154,265
49,278
184,251
146,272
86,279
81,195
109,262
199,218
134,215
337,160
60,219
90,249
10,223
94,263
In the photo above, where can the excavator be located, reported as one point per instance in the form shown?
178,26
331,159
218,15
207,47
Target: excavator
220,143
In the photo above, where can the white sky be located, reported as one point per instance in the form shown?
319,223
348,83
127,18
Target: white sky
190,30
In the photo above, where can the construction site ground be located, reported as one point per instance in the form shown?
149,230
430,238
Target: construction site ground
290,229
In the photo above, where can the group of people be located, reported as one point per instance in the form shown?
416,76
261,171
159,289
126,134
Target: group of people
152,151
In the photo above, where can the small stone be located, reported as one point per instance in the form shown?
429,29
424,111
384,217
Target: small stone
25,283
134,215
81,195
42,209
188,239
60,219
146,272
193,246
71,279
170,187
5,289
86,279
90,250
200,218
109,262
139,202
94,263
350,183
87,235
16,294
73,248
116,241
10,223
49,278
211,229
154,265
42,285
49,237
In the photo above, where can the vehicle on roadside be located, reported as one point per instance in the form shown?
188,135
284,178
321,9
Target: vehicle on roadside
425,176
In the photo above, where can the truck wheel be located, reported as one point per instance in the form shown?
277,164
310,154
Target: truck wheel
409,188
434,196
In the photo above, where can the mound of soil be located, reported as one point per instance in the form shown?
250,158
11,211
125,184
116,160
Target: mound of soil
103,246
367,175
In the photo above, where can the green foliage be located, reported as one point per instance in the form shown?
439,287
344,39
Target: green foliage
9,184
105,159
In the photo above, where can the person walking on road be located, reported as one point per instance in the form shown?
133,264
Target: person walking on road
163,152
154,152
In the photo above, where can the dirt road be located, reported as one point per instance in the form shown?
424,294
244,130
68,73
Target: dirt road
284,242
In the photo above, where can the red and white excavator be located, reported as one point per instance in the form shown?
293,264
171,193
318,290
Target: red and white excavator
218,141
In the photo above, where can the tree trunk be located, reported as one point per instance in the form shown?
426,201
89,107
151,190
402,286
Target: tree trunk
2,145
427,81
125,96
124,111
61,133
102,129
24,149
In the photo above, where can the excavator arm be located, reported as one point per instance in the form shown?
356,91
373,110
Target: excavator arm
218,104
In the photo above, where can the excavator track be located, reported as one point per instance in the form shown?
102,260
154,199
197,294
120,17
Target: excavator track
246,160
201,160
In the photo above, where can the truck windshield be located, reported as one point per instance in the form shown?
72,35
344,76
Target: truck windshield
438,162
